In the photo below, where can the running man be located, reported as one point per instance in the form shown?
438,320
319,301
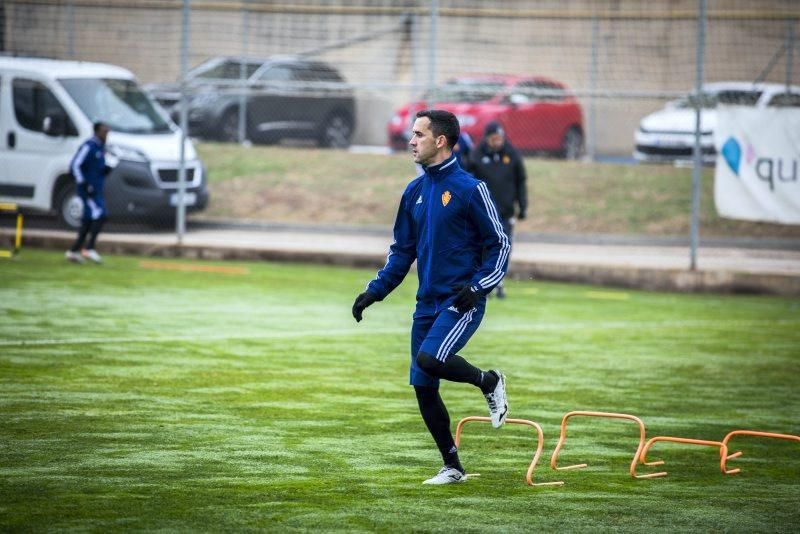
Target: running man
449,224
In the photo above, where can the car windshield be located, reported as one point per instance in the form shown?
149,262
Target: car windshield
785,100
223,70
707,101
730,97
118,103
465,91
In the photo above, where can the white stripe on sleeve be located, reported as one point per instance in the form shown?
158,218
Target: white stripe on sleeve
78,161
496,275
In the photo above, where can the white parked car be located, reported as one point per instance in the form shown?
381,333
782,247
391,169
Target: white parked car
668,134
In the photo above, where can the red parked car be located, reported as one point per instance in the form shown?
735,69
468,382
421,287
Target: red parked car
537,113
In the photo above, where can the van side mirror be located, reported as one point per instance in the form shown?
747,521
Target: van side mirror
54,125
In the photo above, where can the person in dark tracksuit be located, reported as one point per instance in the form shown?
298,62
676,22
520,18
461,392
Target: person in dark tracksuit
497,162
89,168
449,224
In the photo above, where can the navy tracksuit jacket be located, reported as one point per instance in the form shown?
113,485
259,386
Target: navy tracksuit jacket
88,166
448,222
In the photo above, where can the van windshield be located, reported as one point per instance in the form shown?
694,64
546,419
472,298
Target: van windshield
118,103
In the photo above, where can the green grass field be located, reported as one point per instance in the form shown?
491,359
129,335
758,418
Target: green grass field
305,185
136,398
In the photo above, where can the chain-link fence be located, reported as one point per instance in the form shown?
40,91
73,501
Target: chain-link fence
575,80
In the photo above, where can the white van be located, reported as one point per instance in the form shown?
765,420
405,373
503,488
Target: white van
48,108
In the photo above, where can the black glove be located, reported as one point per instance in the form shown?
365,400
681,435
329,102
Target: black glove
522,216
466,299
107,170
364,300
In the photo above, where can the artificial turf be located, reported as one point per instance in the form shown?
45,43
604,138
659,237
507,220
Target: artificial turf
137,398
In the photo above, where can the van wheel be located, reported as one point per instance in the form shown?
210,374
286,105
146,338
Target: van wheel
69,206
572,144
336,132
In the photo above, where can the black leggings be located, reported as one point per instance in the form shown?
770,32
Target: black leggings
457,369
431,406
436,418
91,228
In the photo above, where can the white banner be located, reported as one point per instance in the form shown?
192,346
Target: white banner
757,175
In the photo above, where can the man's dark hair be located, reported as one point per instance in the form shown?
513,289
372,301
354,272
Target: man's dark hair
99,125
443,123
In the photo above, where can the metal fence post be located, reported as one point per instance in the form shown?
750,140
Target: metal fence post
180,220
415,60
243,75
789,53
71,29
698,155
591,126
432,43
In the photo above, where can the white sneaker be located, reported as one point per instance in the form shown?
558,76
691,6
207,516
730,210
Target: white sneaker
498,401
447,475
92,255
74,257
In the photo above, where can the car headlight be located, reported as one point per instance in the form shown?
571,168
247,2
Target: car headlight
466,120
117,153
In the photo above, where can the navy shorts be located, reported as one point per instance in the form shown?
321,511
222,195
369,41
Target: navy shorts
440,336
94,207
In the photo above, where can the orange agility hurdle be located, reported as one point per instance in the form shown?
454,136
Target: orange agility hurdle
563,437
722,447
539,445
757,433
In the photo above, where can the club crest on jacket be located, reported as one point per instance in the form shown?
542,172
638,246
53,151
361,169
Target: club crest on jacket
446,198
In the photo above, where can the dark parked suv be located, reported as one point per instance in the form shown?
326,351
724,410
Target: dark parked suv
286,98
